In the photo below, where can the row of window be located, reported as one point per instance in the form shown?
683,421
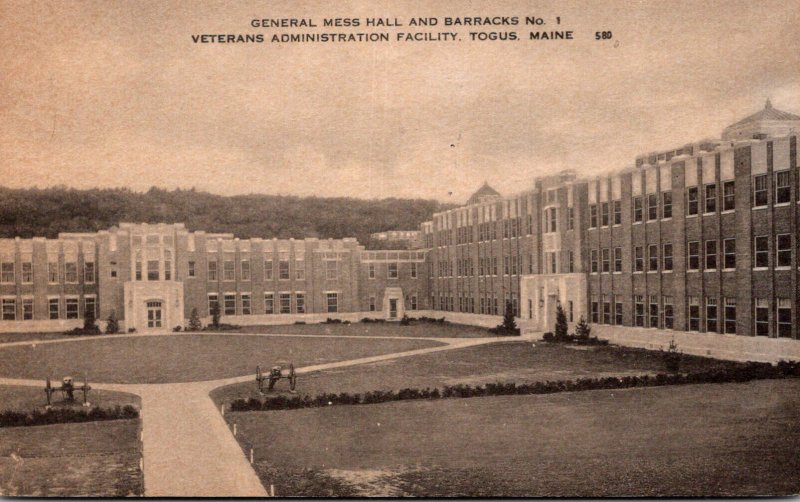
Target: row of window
511,228
8,272
373,303
71,308
287,303
660,313
392,270
487,305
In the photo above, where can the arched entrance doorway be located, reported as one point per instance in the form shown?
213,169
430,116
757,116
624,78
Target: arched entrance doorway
155,314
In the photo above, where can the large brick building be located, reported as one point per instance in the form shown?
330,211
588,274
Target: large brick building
698,239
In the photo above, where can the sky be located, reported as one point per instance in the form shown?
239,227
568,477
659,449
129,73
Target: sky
116,94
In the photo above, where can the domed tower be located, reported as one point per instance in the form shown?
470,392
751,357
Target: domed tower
483,193
766,123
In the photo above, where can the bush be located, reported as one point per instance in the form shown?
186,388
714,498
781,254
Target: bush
194,321
299,322
11,418
582,329
89,323
131,330
672,358
367,320
331,321
215,315
548,337
177,328
222,327
112,324
561,323
405,320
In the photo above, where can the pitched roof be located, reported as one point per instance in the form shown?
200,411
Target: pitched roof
484,191
768,113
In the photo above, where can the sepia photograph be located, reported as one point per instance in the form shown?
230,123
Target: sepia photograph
493,249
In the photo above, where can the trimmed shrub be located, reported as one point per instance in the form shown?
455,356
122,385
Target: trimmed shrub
561,322
11,418
672,358
177,328
194,321
405,320
112,324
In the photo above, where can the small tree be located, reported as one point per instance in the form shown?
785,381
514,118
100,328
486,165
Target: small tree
112,325
582,329
672,357
509,323
215,315
561,323
194,321
89,322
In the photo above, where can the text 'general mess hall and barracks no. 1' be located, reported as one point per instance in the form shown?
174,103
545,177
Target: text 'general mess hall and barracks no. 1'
702,238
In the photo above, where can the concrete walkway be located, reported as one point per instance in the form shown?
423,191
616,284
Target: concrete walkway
187,447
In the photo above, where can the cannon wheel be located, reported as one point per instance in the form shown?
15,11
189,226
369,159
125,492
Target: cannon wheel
48,389
292,377
85,388
259,379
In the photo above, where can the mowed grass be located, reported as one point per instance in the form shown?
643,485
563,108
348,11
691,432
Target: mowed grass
71,460
419,329
712,440
506,361
23,398
184,358
24,337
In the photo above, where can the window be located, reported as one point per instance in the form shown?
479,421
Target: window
167,265
90,305
729,250
638,259
606,309
571,311
667,257
711,198
52,306
414,303
637,210
652,256
213,301
604,214
27,309
669,312
230,305
212,270
667,202
9,309
711,315
300,303
245,269
653,311
783,191
694,255
617,212
246,304
331,270
593,216
283,266
595,310
71,272
333,302
52,272
783,317
692,200
268,269
285,300
730,315
617,259
152,270
27,272
372,304
570,220
7,272
414,269
191,272
393,270
760,190
638,302
761,244
694,313
783,250
371,271
571,261
228,270
269,303
729,196
606,254
762,317
72,309
652,207
711,255
618,310
551,219
594,261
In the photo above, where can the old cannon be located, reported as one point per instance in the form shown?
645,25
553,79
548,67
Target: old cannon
67,389
276,373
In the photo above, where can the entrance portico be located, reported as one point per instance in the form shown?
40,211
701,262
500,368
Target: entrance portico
540,294
154,306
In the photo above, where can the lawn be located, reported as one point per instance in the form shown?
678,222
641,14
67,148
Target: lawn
24,337
714,440
421,329
184,358
22,398
508,361
92,459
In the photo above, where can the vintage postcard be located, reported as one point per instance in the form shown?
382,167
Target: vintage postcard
502,248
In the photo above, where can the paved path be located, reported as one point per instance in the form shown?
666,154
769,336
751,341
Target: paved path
189,450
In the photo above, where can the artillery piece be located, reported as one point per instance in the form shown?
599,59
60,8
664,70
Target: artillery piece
276,373
67,389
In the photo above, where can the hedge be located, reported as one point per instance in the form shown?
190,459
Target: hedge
741,373
10,418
